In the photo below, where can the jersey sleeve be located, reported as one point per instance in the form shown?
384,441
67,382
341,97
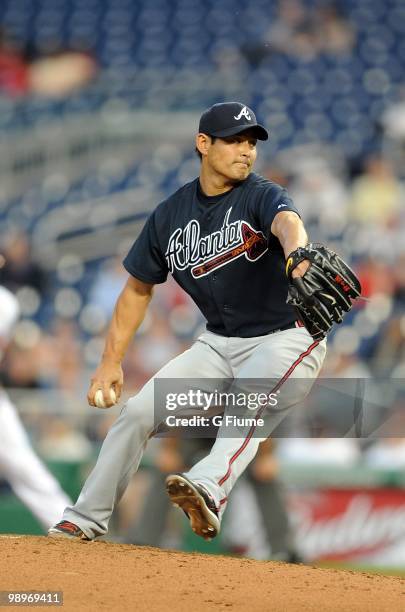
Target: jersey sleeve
145,259
273,201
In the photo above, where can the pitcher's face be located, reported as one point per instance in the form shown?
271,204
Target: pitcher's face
232,157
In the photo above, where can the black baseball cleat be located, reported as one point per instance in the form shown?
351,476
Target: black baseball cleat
196,503
66,529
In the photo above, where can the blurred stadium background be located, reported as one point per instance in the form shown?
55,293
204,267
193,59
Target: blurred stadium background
99,102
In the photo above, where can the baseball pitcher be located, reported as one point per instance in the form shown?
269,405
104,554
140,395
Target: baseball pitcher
225,237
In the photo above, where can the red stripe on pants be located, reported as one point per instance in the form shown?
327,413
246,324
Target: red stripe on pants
276,388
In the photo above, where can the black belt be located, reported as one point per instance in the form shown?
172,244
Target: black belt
291,325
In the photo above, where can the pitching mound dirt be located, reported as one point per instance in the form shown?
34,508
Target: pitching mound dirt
104,576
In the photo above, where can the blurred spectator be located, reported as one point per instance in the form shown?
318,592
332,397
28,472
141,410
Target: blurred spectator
21,368
61,73
61,356
230,60
293,33
393,118
334,31
19,268
377,195
320,196
52,72
156,347
61,442
14,70
262,476
171,321
292,29
96,429
107,286
399,284
390,350
376,277
305,33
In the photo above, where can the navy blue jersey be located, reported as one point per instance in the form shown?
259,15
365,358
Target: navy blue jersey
221,251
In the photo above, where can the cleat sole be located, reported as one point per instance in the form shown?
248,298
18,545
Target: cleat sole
202,520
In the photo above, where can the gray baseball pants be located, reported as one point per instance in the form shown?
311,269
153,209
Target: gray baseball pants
280,356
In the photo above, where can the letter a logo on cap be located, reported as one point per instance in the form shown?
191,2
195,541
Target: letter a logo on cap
243,113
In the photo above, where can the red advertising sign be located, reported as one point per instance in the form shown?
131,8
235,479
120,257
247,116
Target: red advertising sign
351,525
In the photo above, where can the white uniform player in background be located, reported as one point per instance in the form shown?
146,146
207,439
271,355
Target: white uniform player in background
19,465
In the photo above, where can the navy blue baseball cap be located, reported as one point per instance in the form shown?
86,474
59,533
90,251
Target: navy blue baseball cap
230,118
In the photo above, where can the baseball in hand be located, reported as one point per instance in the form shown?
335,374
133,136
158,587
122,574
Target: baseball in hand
99,399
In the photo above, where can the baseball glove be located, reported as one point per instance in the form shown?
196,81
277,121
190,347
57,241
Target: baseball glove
326,290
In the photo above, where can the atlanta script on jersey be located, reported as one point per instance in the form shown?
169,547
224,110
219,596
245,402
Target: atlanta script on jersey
203,254
220,250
